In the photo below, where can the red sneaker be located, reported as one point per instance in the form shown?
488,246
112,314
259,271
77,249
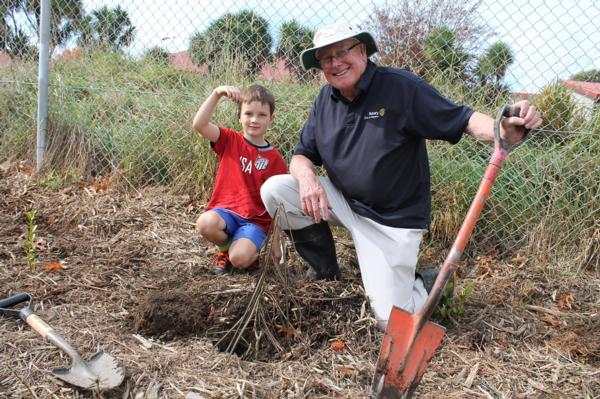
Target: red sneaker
221,263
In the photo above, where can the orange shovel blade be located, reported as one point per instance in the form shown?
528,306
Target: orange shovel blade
405,352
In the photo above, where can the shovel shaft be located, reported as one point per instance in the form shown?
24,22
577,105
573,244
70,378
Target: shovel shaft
38,325
501,151
410,339
455,254
416,337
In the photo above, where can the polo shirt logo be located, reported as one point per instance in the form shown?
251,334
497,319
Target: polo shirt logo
375,114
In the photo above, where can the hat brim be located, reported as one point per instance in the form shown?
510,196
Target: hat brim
309,60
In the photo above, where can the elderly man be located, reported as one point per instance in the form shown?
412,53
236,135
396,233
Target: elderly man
368,128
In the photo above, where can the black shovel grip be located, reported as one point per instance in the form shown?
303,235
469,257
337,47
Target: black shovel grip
15,299
507,112
22,313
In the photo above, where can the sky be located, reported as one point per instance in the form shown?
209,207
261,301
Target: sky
550,39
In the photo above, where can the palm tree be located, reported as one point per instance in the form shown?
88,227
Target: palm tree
65,16
242,36
13,39
442,51
492,66
7,10
106,28
293,38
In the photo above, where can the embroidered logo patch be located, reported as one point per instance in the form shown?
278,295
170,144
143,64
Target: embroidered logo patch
375,114
261,163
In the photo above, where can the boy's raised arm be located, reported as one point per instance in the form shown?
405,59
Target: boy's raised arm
202,119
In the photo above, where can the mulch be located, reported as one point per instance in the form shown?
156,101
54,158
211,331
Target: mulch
135,281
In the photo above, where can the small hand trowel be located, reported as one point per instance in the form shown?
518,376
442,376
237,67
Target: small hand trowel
101,372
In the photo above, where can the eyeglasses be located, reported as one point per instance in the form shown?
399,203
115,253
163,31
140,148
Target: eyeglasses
338,55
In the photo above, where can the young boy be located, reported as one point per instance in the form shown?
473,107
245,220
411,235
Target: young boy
236,219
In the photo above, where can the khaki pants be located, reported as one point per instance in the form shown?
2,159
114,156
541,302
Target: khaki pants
387,255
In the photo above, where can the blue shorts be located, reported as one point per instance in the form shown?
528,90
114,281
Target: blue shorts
238,227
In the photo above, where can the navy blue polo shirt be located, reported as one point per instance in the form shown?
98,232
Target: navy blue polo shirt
373,147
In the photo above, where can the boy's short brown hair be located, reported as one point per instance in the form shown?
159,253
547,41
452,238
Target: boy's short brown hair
257,93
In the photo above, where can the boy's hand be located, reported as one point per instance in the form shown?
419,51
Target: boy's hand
231,92
202,122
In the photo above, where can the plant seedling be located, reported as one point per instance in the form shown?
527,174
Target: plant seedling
29,246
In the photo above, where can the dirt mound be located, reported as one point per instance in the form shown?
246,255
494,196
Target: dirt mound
282,317
173,313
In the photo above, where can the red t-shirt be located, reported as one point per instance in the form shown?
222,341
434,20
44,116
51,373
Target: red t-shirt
243,168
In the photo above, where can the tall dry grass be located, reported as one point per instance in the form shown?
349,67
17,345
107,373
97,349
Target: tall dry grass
131,119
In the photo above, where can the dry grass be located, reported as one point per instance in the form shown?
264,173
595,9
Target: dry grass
528,329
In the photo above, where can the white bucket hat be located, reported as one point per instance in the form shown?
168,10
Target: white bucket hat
333,34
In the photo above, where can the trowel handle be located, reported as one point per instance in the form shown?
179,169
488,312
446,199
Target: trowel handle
15,299
38,325
42,328
7,303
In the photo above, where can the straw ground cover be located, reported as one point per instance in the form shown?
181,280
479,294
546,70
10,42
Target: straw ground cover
136,279
528,330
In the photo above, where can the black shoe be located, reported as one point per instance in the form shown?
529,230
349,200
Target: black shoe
309,275
316,246
428,276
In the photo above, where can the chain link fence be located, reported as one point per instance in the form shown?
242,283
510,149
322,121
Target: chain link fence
126,78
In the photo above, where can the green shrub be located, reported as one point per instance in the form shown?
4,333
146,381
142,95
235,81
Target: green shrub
18,109
592,75
157,55
557,108
453,306
244,35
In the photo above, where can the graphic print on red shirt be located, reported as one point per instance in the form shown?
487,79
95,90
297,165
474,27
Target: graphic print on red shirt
243,168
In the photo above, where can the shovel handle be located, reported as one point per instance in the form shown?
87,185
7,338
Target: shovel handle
47,332
38,325
14,300
501,150
500,144
11,301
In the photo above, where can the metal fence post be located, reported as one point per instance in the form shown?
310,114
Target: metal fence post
42,112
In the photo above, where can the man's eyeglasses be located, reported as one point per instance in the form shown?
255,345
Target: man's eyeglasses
327,61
